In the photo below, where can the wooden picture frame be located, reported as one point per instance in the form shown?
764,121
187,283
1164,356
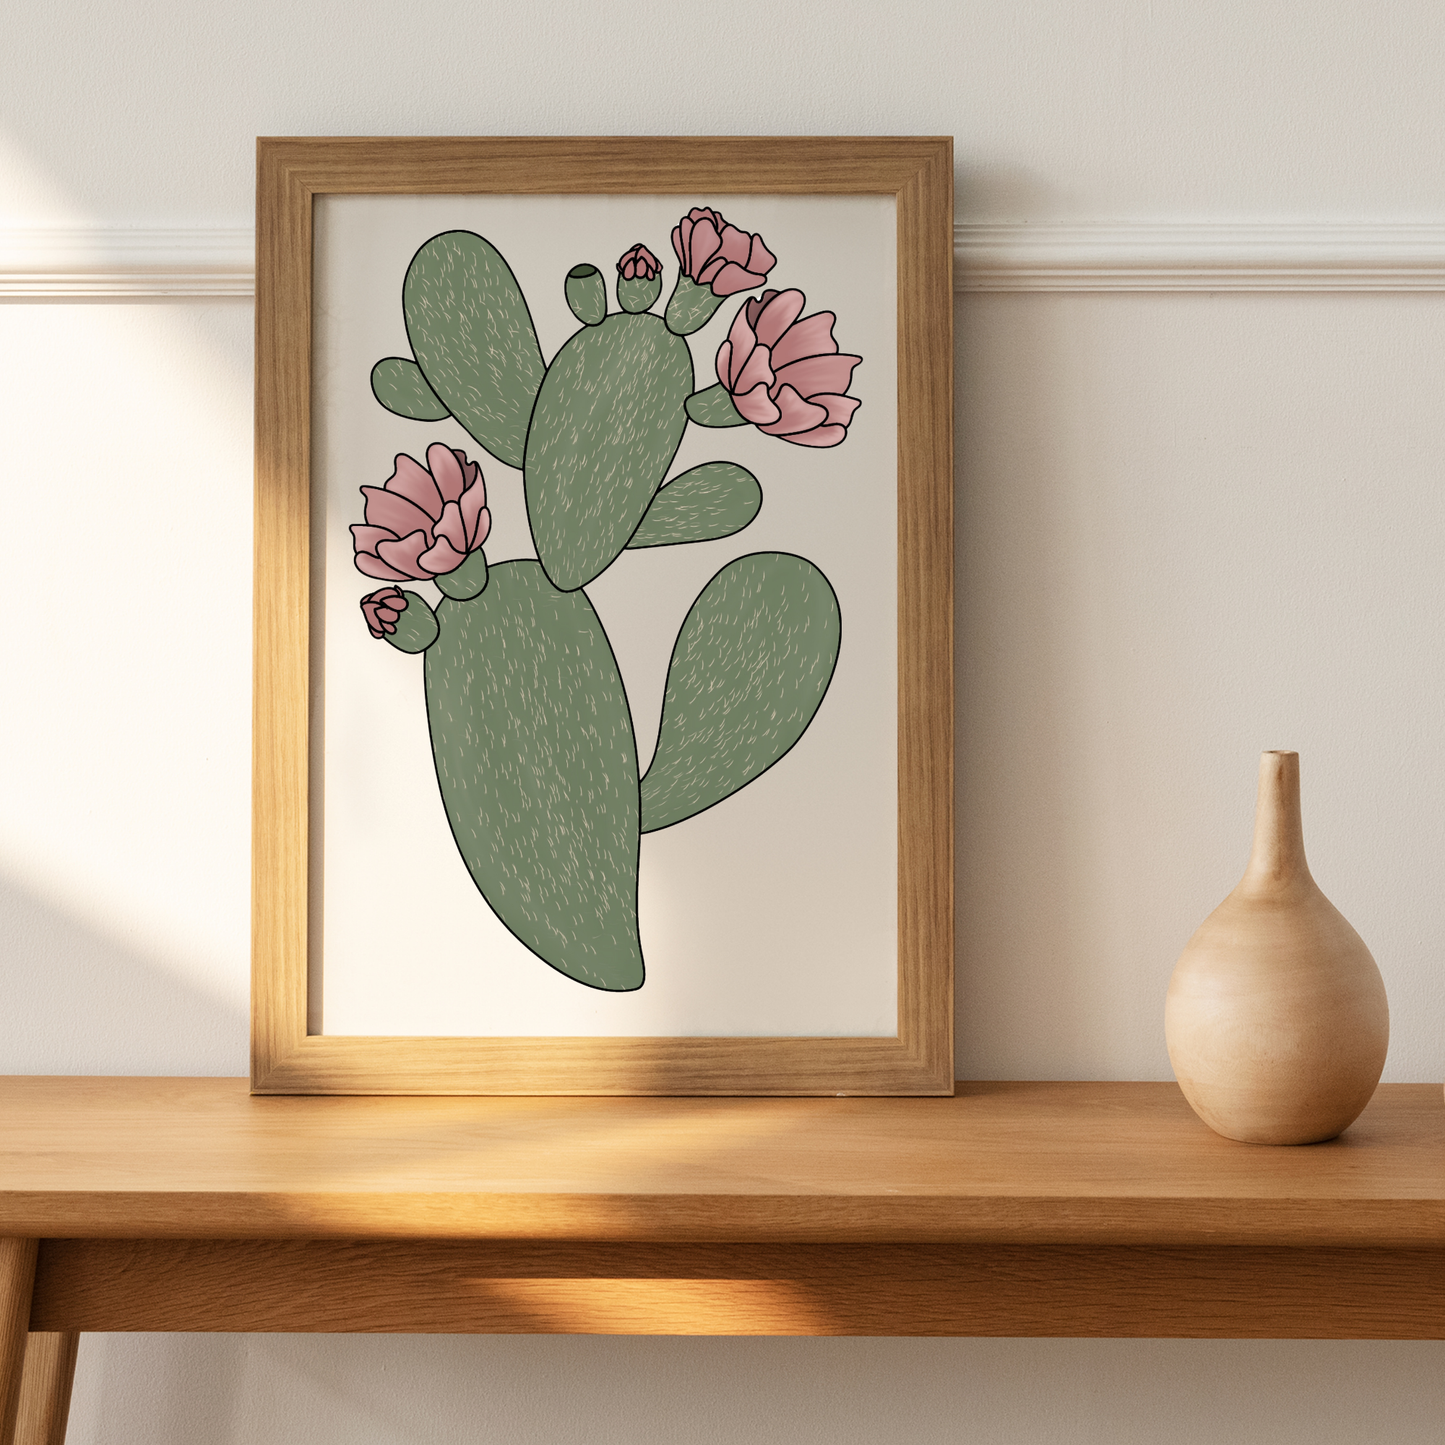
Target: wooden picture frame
291,173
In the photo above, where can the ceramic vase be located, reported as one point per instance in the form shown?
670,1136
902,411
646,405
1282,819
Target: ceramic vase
1276,1021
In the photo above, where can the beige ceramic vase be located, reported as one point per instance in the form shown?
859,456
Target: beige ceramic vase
1277,1022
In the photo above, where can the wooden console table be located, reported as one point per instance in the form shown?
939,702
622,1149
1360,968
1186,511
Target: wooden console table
1010,1209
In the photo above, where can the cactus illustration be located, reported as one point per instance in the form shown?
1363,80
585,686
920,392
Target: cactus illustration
531,730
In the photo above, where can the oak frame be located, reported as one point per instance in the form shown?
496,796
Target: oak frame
918,172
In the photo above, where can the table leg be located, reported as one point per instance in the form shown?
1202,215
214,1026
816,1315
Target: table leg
17,1281
45,1388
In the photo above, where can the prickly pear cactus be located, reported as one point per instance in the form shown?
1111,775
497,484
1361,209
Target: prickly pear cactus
531,730
608,421
529,721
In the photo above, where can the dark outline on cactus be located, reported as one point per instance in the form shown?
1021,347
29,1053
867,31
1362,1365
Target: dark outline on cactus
697,541
832,672
581,274
457,843
611,848
531,321
406,416
527,442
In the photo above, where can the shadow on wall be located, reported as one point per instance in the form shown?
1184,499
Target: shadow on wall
77,1001
1021,891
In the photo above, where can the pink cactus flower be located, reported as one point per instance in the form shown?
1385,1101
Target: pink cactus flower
639,264
712,253
787,376
381,610
425,520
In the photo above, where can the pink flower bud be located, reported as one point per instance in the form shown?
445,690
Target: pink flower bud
639,264
714,254
787,376
425,520
381,610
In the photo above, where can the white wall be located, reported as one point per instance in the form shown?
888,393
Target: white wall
1191,526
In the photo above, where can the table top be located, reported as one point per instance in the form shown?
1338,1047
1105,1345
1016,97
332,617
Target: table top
1066,1163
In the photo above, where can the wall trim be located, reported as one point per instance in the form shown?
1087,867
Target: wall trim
112,263
1201,256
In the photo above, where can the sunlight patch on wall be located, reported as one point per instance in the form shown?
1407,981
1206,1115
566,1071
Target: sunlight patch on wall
124,743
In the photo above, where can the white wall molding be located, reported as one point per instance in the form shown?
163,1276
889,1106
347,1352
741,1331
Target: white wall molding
96,262
99,263
1201,256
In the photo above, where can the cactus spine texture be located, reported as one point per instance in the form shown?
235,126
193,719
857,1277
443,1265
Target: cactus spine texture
750,667
473,340
531,733
605,428
537,765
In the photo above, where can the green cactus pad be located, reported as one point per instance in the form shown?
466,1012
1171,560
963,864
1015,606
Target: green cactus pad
473,339
400,387
586,294
711,501
690,307
638,294
605,429
713,406
467,580
749,670
535,756
416,628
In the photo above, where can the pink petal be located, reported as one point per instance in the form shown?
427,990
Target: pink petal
474,507
820,436
815,374
403,555
812,336
412,481
757,371
732,279
702,245
839,408
735,245
446,467
754,308
396,513
760,259
442,558
374,567
757,406
796,415
778,314
677,247
742,335
724,364
483,529
365,538
452,528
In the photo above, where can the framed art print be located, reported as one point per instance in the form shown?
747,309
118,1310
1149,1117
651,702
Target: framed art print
603,705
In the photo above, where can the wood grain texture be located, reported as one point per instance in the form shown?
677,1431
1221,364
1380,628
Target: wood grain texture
1097,1164
918,173
280,698
17,1277
700,1289
45,1390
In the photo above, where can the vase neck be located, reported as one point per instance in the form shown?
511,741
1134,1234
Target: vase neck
1277,862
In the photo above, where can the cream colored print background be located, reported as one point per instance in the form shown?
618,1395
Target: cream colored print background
773,913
